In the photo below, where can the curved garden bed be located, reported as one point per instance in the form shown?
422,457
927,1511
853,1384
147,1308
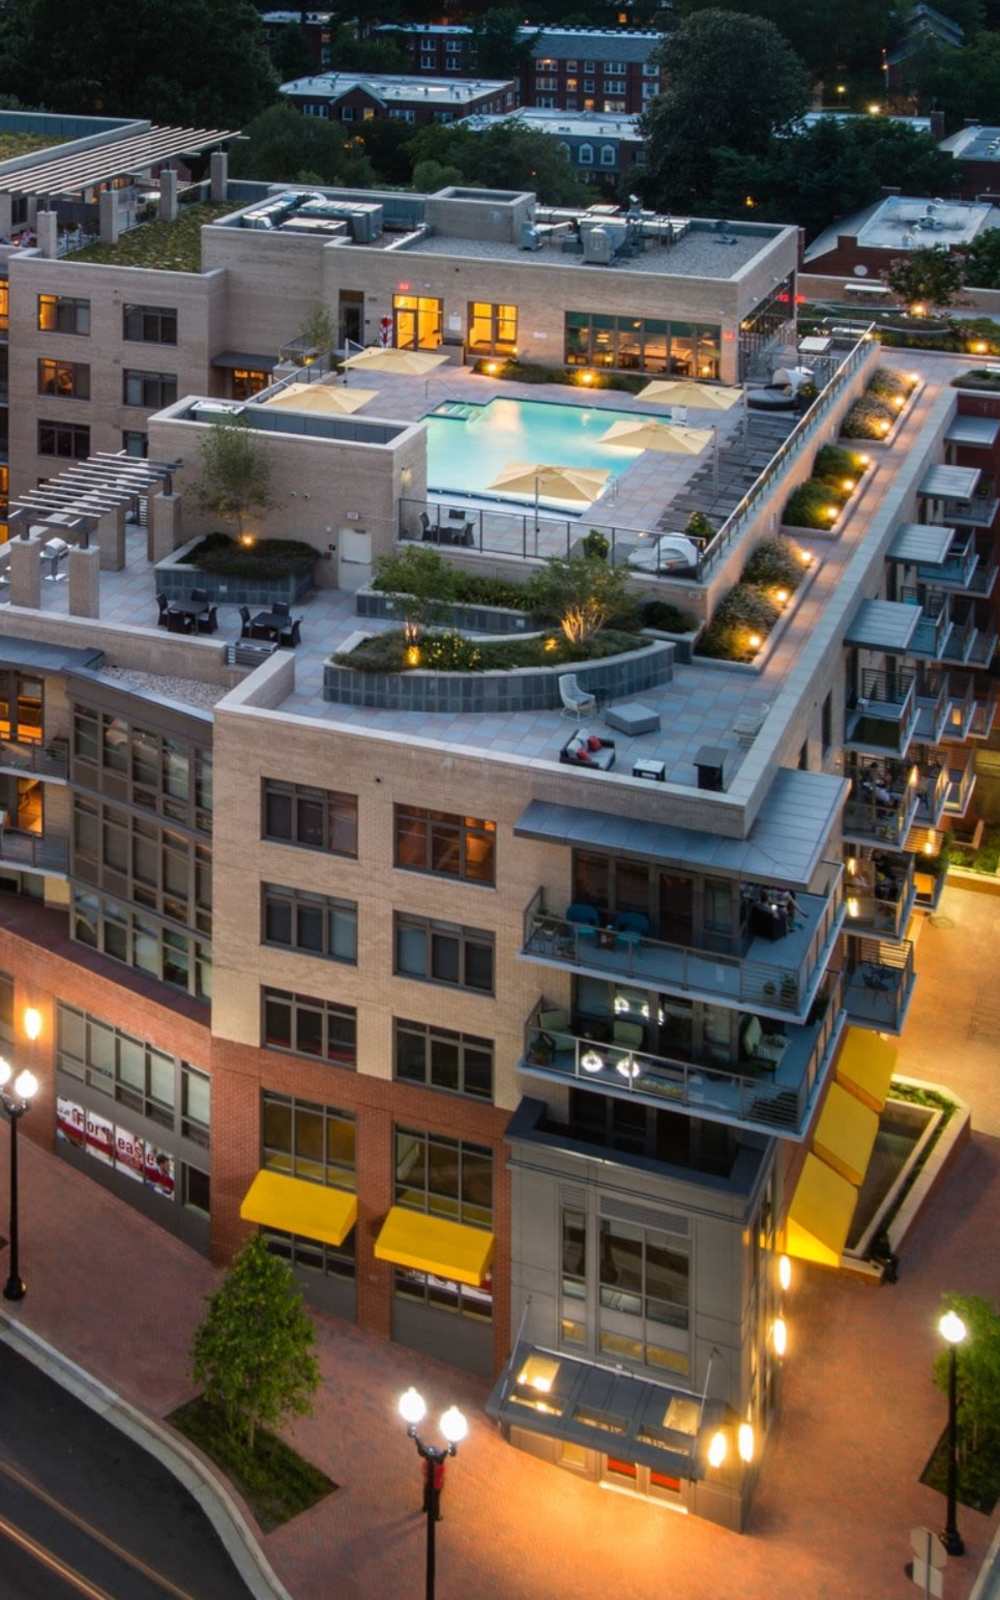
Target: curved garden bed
621,671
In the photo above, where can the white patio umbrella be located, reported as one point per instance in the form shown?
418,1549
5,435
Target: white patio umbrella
407,363
669,550
683,392
579,485
647,434
323,397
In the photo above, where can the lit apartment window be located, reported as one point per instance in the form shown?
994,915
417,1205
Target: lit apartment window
643,1296
66,380
447,1178
306,1026
492,329
67,439
313,924
572,83
150,324
441,842
316,819
439,1058
4,305
248,381
443,952
149,389
308,1141
59,314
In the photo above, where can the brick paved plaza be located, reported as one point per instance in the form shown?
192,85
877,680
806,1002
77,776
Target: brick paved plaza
839,1492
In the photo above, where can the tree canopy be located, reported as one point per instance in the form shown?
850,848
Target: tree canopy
960,83
497,47
235,479
732,81
506,156
283,146
930,277
200,63
982,261
844,40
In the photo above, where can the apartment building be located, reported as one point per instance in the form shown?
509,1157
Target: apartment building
865,243
359,97
601,149
606,70
315,27
539,1069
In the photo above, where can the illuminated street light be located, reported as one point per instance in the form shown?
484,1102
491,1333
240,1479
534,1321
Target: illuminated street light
16,1101
454,1428
953,1331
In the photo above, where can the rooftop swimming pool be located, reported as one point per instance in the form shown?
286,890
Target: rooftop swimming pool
469,445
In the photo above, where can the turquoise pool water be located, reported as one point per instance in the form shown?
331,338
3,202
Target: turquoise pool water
468,446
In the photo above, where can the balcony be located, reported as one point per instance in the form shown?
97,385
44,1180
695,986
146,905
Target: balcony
774,1093
31,852
882,804
774,973
879,898
882,713
878,984
984,714
932,705
961,705
961,775
985,576
979,511
930,791
931,635
956,570
961,640
35,759
985,642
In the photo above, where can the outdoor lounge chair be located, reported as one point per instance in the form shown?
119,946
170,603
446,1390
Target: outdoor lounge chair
575,700
290,637
587,750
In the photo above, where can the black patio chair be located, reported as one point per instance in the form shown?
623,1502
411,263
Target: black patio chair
279,608
163,606
178,622
290,637
208,622
245,631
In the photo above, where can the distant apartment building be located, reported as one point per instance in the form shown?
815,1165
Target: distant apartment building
976,153
924,28
605,70
358,97
863,245
600,148
316,27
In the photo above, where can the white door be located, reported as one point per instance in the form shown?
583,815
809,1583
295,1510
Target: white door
354,551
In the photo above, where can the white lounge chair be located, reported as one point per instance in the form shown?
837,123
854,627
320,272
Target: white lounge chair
575,700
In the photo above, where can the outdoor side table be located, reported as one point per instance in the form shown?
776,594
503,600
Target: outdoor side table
633,719
654,771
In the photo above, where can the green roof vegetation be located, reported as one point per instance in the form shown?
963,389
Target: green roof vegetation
167,246
20,144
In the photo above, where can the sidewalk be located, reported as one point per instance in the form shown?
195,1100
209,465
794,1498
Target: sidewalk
839,1491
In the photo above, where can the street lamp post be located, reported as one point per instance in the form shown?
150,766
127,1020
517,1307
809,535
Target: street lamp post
15,1103
413,1409
953,1330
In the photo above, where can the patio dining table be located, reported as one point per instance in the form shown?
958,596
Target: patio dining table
270,624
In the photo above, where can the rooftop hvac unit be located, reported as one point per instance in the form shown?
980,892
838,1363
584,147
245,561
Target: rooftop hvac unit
598,246
531,239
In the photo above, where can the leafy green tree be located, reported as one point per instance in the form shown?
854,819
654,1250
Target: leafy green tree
982,261
931,277
978,1370
202,63
384,143
497,47
430,176
291,53
583,591
318,330
253,1352
281,145
426,583
960,83
349,53
732,82
815,174
505,156
842,41
235,480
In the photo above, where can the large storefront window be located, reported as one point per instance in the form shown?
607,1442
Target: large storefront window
445,1177
315,1143
642,344
643,1296
417,322
492,329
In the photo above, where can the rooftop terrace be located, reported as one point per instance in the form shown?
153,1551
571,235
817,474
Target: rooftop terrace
165,246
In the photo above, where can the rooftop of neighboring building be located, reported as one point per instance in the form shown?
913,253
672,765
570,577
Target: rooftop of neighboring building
279,18
916,124
548,35
975,142
909,222
164,246
393,87
575,124
702,252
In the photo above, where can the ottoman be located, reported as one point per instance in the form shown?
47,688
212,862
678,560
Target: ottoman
633,719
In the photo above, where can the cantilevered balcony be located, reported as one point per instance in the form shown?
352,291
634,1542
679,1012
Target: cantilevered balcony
882,713
961,705
26,757
984,712
961,641
774,971
961,775
985,576
958,497
930,637
930,790
878,984
32,853
774,1091
879,897
882,803
932,703
944,557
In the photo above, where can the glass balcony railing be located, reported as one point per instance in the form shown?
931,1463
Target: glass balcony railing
961,775
961,705
878,984
984,644
962,638
872,823
880,902
984,577
979,511
44,761
932,710
775,972
930,791
956,570
984,714
774,1092
931,634
882,712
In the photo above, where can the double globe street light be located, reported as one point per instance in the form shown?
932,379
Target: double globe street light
454,1428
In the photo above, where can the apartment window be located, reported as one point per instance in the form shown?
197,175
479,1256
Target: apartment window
827,724
642,344
650,70
444,116
140,940
67,439
569,66
444,1177
589,66
150,324
66,380
614,66
59,314
546,83
4,305
614,85
442,952
130,1070
585,155
149,389
143,767
607,155
439,1058
314,924
135,443
316,819
400,114
22,702
440,842
308,1141
196,1105
310,1027
588,88
248,381
196,1189
158,868
573,1242
347,114
492,328
445,1294
6,1007
644,1292
545,102
611,106
572,83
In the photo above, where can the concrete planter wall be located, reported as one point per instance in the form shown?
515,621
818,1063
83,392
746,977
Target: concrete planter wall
466,618
790,530
767,649
890,438
175,578
516,689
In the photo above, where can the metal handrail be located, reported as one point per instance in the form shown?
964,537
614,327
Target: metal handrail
45,761
889,824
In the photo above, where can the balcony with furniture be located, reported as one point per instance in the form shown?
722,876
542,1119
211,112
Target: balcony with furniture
882,803
757,946
879,894
772,1086
878,984
930,789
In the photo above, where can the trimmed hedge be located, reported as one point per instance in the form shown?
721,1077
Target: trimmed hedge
452,652
531,372
745,610
666,618
868,418
834,464
267,558
809,505
774,562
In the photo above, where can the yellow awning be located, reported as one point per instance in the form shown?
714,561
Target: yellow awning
429,1244
865,1067
295,1206
820,1214
845,1134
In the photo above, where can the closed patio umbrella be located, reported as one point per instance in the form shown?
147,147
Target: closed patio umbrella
407,363
323,397
682,392
646,434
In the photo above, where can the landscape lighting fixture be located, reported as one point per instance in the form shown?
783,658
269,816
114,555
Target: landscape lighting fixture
779,1336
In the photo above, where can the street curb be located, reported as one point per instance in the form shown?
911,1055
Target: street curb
162,1442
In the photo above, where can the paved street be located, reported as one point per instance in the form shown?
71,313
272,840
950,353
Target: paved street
78,1498
840,1489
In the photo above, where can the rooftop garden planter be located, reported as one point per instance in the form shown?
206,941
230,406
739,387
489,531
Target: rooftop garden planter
746,616
373,602
234,574
582,377
450,674
168,246
874,415
978,378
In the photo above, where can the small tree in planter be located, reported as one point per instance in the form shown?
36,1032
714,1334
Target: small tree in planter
425,584
318,333
595,544
235,474
253,1353
584,592
930,277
